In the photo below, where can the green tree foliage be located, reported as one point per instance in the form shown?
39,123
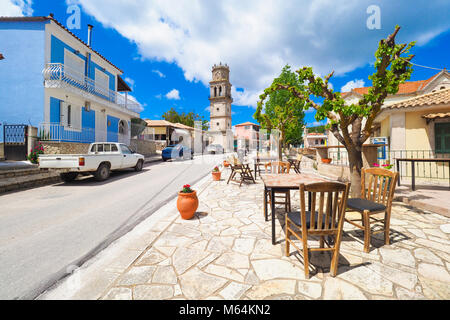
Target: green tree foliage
282,110
187,119
318,129
392,68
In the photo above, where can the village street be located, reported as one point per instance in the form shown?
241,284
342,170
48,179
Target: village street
48,231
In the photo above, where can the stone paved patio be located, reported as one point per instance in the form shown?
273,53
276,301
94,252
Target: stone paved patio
225,252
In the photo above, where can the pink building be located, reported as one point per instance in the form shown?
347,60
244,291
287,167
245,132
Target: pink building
248,133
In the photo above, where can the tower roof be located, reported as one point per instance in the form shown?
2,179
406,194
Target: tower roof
221,66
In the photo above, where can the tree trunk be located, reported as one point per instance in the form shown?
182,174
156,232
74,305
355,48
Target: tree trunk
356,164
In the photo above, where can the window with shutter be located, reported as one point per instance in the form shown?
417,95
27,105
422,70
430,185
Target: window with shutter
70,115
442,137
73,67
101,83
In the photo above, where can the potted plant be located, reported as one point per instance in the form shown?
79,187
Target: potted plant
216,173
326,160
187,202
226,164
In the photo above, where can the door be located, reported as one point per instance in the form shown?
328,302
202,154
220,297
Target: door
128,158
15,139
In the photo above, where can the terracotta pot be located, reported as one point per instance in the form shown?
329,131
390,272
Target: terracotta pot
226,164
325,160
187,204
216,175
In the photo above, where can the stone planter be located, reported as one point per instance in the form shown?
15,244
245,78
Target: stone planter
326,160
187,204
216,175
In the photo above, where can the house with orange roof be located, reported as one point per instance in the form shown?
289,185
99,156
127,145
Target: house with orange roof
416,118
247,135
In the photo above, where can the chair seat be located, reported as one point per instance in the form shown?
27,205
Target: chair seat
364,204
294,216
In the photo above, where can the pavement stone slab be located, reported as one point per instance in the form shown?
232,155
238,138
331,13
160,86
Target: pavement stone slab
226,252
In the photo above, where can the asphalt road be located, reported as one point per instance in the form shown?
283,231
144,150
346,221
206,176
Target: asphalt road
46,231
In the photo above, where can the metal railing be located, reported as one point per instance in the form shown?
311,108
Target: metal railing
58,75
424,170
58,133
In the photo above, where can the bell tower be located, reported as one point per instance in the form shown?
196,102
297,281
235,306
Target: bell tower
220,99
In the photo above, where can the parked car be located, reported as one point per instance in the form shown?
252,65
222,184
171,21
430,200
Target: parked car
214,148
177,151
102,158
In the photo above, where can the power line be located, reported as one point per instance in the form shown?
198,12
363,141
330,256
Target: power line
418,65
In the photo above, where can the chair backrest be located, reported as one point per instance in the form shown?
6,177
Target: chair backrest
278,167
328,203
234,160
299,157
380,185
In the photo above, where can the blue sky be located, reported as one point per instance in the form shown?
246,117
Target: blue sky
166,48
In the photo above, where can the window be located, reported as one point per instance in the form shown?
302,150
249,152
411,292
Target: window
114,148
125,149
101,83
107,147
442,137
70,115
247,127
73,67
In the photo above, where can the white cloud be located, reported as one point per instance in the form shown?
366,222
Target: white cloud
130,82
173,94
257,39
357,83
15,8
159,73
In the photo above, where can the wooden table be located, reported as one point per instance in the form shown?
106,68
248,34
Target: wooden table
283,182
413,169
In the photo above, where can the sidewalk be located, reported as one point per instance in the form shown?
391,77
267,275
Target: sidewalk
225,252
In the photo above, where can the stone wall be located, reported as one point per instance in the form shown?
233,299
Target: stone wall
2,150
144,147
65,147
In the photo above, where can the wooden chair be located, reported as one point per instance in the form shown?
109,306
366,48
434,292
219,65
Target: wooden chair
326,222
377,198
244,171
295,164
279,167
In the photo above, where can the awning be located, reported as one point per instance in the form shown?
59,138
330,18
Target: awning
433,116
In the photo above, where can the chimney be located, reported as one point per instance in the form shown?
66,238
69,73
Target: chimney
89,41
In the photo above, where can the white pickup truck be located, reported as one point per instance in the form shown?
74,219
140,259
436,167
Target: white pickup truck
100,160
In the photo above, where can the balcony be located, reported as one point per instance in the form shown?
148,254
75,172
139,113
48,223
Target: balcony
57,75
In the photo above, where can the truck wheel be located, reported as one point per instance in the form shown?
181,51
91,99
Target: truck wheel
139,166
68,176
102,172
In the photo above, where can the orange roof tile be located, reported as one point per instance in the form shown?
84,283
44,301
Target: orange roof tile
403,88
247,124
433,98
